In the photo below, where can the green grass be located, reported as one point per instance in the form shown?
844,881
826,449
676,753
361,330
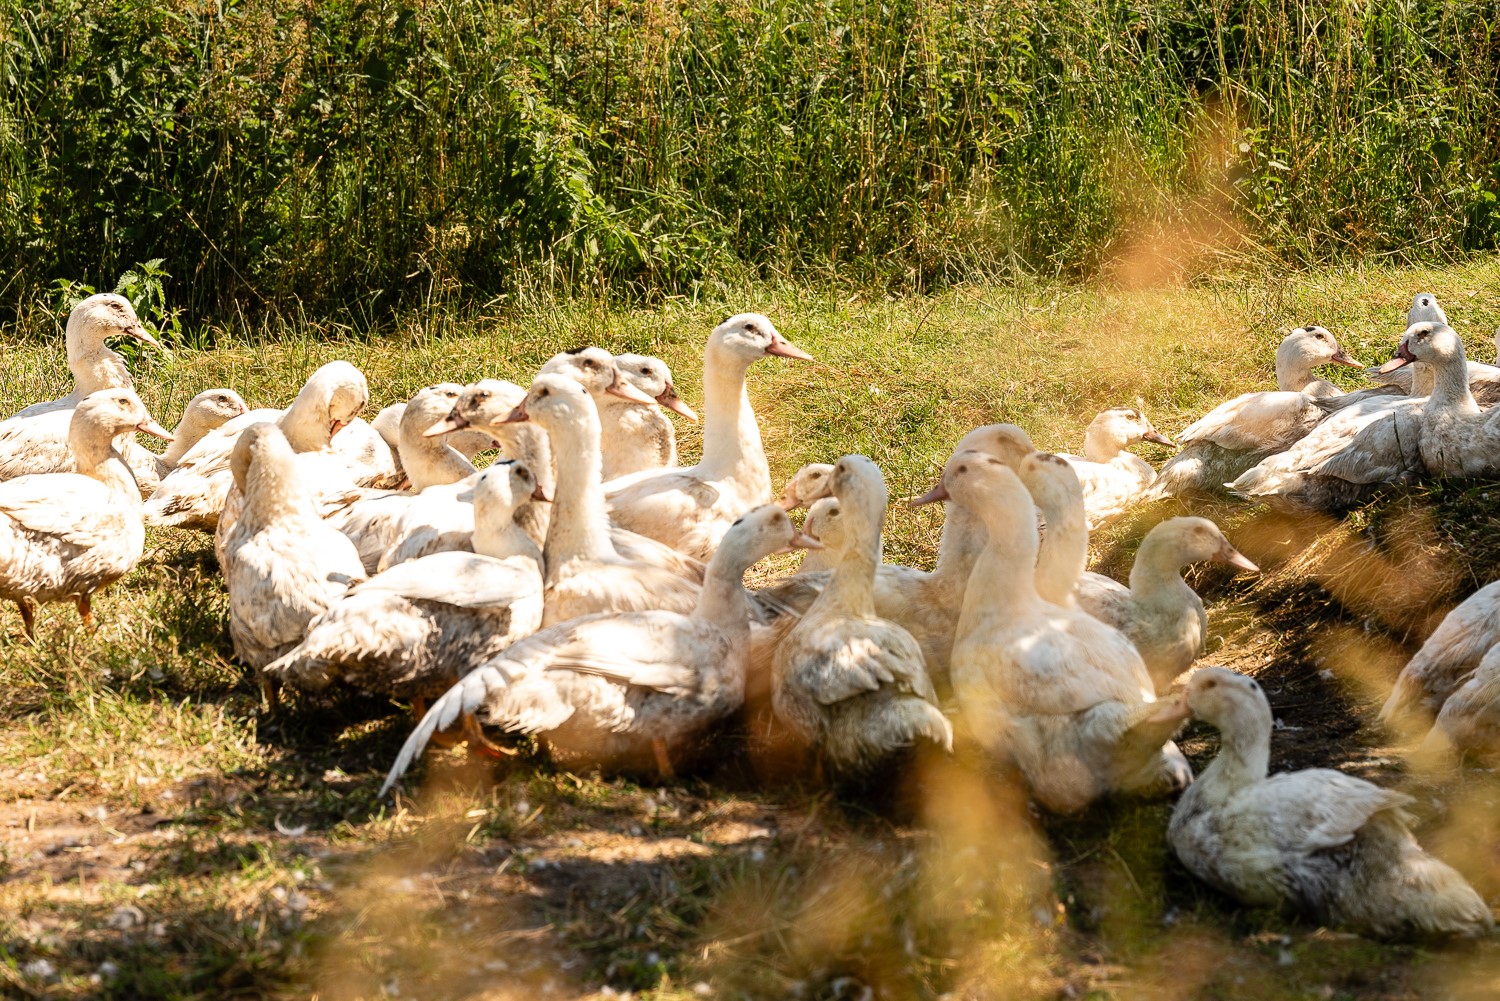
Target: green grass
162,833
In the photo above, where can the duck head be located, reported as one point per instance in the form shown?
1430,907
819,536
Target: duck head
808,484
1425,308
484,404
652,377
596,371
1006,443
1429,341
1228,701
112,412
1193,540
751,336
103,316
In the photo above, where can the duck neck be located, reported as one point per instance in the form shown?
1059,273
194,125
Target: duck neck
1244,757
1099,445
188,432
580,519
305,423
98,457
95,368
1294,371
1156,575
274,492
1450,390
499,535
723,600
1001,577
851,589
1064,554
732,447
432,463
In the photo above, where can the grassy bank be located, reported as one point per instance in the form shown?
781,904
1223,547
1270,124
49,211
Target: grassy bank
164,837
356,157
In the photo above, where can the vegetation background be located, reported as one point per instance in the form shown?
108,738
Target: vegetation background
349,157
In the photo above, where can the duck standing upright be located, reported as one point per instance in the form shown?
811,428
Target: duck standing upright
63,536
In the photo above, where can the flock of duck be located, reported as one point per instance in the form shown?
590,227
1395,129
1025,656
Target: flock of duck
588,590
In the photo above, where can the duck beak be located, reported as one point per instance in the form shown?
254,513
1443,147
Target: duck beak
453,422
788,501
518,415
334,427
625,391
140,334
801,540
1342,357
151,427
540,495
786,349
1173,710
1235,558
1159,438
676,404
1403,357
933,496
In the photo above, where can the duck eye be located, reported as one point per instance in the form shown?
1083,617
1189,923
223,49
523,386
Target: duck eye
963,469
544,393
1210,683
485,395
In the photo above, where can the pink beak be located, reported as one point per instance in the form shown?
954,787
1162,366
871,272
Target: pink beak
517,416
1403,357
676,404
151,427
626,391
786,349
933,496
453,422
801,540
1235,558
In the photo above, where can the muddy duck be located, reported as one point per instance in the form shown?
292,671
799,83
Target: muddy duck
691,507
1052,690
624,691
283,566
412,631
1234,436
64,536
1114,478
1317,840
851,685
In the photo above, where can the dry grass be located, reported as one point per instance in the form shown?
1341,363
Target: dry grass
162,837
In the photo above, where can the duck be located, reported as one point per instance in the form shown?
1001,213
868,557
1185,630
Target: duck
64,536
824,522
208,410
413,630
633,438
624,690
1484,380
35,439
1113,478
585,572
808,484
193,494
282,565
387,424
691,507
1237,434
1063,696
1159,613
1334,846
1448,658
851,685
924,603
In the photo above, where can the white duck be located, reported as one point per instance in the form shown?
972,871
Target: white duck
1062,695
1114,479
282,565
925,604
624,690
35,440
1159,612
633,438
63,536
387,424
1335,846
1236,435
690,508
808,484
848,683
193,495
414,630
585,572
1448,658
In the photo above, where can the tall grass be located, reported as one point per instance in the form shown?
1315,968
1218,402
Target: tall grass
352,156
